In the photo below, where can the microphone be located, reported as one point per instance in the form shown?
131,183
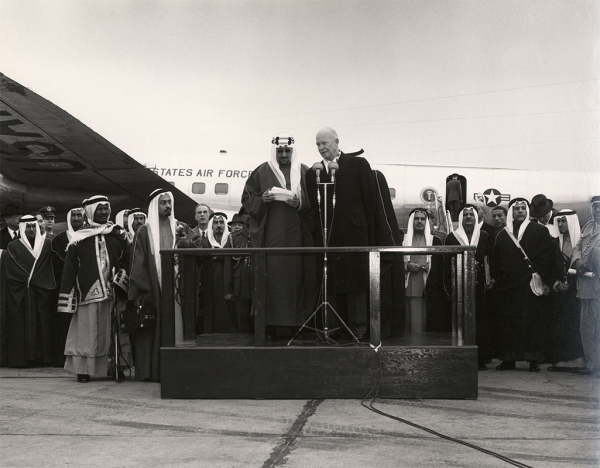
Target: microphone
318,167
333,167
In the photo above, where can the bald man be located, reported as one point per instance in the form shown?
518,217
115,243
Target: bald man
350,223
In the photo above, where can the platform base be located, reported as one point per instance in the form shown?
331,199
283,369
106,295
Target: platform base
306,372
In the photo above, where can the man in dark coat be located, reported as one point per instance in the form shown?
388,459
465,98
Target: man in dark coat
565,337
276,198
26,298
145,283
426,301
454,196
94,254
388,233
349,223
470,232
237,275
520,311
75,217
214,305
11,214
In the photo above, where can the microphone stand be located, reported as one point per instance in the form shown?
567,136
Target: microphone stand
325,305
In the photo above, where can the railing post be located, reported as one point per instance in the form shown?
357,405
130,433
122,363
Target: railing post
375,297
187,269
260,300
469,299
454,301
460,270
167,302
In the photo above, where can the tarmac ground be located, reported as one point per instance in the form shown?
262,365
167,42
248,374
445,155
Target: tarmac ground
545,419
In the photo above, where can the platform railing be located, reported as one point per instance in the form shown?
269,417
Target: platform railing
463,278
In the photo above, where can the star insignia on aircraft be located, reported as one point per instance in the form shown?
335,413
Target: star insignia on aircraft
493,197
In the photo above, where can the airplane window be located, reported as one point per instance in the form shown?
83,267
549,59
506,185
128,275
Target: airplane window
392,193
198,188
221,189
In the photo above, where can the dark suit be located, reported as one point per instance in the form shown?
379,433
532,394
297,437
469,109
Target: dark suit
350,224
519,312
5,238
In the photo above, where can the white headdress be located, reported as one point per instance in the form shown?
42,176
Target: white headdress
130,218
70,230
39,239
509,217
211,236
573,225
460,233
408,238
120,218
280,141
154,227
93,229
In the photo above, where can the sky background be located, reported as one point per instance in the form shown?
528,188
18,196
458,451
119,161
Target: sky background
476,83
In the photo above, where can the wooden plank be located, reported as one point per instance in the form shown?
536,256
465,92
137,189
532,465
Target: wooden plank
167,303
318,372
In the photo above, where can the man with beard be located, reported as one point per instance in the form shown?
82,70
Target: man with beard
136,218
520,311
214,305
565,337
145,283
425,302
26,299
586,261
350,223
276,198
75,217
470,232
94,254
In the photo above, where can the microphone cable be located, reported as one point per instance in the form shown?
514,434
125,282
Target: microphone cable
370,407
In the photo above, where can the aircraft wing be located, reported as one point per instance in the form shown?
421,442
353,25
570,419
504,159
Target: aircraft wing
48,157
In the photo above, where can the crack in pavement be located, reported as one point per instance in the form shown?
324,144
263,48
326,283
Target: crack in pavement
289,440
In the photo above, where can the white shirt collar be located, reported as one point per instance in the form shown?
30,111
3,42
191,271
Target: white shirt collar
326,164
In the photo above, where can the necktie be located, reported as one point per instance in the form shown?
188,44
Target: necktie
203,234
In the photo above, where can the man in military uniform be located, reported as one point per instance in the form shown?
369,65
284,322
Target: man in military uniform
49,215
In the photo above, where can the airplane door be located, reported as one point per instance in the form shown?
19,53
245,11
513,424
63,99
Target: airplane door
463,189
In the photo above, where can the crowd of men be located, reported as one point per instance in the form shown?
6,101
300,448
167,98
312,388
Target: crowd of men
537,273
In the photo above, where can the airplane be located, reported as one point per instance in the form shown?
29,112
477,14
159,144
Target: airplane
220,186
49,157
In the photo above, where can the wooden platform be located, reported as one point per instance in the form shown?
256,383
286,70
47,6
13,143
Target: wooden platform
252,366
230,366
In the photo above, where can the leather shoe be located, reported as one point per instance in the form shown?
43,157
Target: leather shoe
83,378
506,365
534,366
482,367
